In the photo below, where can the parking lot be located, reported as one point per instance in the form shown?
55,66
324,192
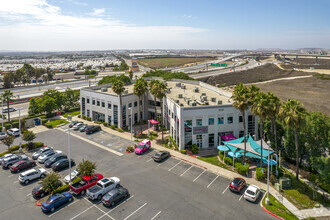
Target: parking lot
172,189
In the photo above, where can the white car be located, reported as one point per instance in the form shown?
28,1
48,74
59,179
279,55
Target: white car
77,126
32,174
74,175
2,135
10,109
13,131
102,187
48,154
6,156
252,193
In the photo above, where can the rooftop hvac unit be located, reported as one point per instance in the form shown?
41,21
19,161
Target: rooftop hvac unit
180,96
177,101
181,104
188,102
196,89
183,86
228,100
193,104
219,102
178,85
206,103
104,89
203,94
213,99
126,92
168,90
203,98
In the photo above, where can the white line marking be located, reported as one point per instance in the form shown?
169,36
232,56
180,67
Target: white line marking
16,181
10,175
3,171
79,213
241,197
186,170
62,209
212,181
117,206
174,166
99,209
135,211
156,215
73,203
199,175
149,160
158,165
225,190
139,156
29,194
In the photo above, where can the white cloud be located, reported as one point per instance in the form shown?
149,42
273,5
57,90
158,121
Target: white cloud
38,25
187,16
78,3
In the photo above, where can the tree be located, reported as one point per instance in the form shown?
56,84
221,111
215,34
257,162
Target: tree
19,74
51,182
71,98
48,105
140,88
8,80
118,88
8,97
130,73
160,94
29,136
240,98
292,113
56,96
112,79
86,168
29,72
8,141
38,72
34,106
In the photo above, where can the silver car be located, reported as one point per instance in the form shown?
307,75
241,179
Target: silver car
2,135
48,154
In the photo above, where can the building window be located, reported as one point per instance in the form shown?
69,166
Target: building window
124,115
211,140
230,120
115,114
130,105
93,102
98,103
103,104
172,115
240,118
109,120
88,114
169,112
140,102
241,134
109,105
221,121
87,100
135,118
199,122
83,106
135,104
140,116
211,121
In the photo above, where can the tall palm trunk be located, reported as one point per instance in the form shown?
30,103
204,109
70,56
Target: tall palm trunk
8,112
297,153
244,129
261,138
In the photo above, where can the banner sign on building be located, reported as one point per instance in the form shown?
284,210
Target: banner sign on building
200,130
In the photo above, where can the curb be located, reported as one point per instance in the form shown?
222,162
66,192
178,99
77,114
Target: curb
267,210
38,203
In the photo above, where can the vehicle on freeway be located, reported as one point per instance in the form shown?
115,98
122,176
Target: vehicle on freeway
13,132
160,156
102,187
73,123
32,174
53,159
83,128
55,201
2,135
74,175
92,129
85,183
38,192
22,165
143,146
62,164
14,159
6,156
48,154
36,154
77,126
114,196
252,193
10,109
237,184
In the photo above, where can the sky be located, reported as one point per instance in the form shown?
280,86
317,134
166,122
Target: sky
67,25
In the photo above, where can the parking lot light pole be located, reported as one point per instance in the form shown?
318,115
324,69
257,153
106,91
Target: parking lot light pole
20,134
69,150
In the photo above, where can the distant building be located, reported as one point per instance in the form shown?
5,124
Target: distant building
134,66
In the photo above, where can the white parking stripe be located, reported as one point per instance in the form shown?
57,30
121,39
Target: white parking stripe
117,206
199,175
135,211
241,197
99,209
16,181
29,194
149,160
158,165
225,190
80,212
186,170
174,166
156,215
62,208
212,181
10,175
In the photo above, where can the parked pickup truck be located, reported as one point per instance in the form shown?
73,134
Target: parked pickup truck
85,183
102,187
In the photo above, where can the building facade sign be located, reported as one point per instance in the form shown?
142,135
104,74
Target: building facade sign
200,130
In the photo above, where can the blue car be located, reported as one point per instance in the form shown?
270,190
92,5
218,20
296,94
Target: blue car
55,201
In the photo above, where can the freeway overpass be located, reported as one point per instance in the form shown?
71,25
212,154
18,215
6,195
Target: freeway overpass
317,56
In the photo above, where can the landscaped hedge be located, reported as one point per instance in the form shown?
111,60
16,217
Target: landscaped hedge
97,122
221,155
260,175
66,187
241,169
228,160
84,117
16,147
105,124
183,151
194,149
89,118
113,127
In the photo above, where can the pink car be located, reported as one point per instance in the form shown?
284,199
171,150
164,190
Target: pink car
143,146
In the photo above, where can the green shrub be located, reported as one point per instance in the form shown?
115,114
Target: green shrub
79,116
194,149
16,147
176,148
183,151
50,115
74,109
15,124
221,155
105,124
241,169
44,121
154,134
97,122
4,153
113,127
66,187
89,118
84,117
228,160
7,126
119,129
38,144
49,125
260,175
129,149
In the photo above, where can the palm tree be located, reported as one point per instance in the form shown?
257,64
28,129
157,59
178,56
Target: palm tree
140,88
259,108
8,96
240,97
118,88
292,113
160,94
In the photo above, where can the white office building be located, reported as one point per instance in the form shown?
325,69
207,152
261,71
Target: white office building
194,112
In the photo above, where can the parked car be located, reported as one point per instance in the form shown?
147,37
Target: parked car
160,156
237,184
14,159
13,132
83,128
36,154
38,192
73,123
102,187
2,135
93,129
53,159
10,109
252,193
48,154
85,183
6,156
115,196
77,126
74,175
32,174
22,165
55,201
62,164
143,146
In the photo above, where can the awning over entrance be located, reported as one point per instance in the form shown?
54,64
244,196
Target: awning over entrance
228,137
153,121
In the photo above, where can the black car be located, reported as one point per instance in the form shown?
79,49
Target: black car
160,156
115,196
73,123
93,129
62,164
38,192
54,159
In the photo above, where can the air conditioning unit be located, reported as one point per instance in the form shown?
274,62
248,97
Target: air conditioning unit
203,98
104,89
193,104
178,85
180,96
188,102
203,94
219,102
168,90
177,101
183,86
181,104
206,103
213,99
196,89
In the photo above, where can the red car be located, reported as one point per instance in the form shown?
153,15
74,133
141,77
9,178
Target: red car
22,165
85,183
237,184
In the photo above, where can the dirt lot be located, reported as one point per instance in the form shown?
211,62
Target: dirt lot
262,73
170,62
306,63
